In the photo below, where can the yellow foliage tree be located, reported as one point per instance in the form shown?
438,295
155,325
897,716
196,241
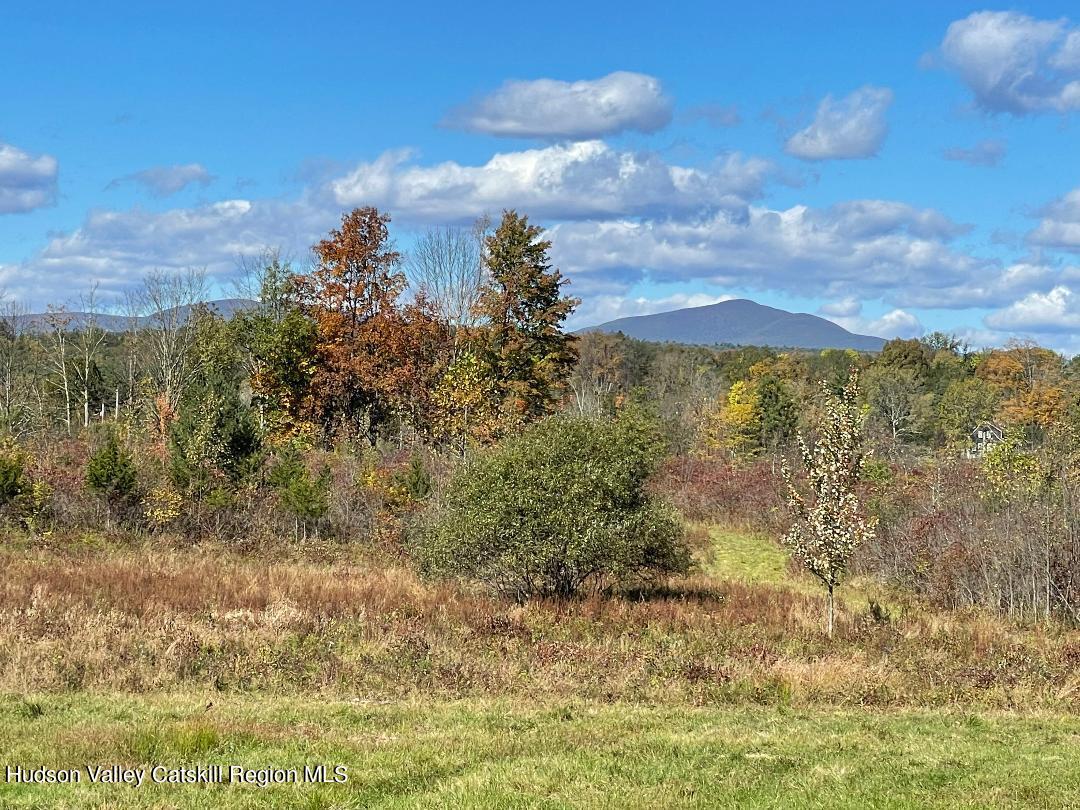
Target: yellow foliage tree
736,426
464,399
1030,381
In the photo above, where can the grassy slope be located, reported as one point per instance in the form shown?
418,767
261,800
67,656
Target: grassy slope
504,754
757,559
747,557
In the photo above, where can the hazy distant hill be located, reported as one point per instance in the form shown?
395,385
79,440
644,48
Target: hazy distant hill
37,322
741,323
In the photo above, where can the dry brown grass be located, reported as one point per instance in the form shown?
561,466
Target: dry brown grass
139,620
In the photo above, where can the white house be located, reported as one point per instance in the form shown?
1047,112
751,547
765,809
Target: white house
984,438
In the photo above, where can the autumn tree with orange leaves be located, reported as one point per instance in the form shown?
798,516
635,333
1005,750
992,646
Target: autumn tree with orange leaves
1030,382
375,360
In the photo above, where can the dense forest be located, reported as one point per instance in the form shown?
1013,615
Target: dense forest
360,395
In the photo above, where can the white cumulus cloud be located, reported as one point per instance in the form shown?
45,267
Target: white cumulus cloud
1015,63
565,181
986,285
1060,224
847,307
897,323
847,128
580,110
1055,311
862,248
26,181
894,324
118,248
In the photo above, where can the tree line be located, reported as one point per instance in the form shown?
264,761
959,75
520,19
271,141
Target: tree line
336,352
354,394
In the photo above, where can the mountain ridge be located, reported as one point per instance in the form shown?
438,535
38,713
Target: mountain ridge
111,322
740,322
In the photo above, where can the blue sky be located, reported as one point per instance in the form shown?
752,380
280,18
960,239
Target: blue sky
897,172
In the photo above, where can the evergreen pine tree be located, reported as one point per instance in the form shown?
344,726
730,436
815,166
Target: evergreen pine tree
111,472
415,479
13,479
216,438
524,308
305,497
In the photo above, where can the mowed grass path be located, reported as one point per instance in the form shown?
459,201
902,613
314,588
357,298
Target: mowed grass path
504,754
752,557
746,557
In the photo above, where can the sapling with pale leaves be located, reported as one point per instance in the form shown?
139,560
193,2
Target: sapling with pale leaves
827,520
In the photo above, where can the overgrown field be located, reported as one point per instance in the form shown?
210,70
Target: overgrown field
500,754
720,689
140,620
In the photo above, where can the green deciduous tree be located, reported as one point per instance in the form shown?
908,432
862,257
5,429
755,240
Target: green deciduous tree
893,394
912,355
965,403
778,413
758,414
279,347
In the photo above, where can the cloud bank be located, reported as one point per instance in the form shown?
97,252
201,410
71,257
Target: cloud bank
617,219
565,181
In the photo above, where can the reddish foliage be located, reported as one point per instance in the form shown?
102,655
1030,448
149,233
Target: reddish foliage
710,489
374,358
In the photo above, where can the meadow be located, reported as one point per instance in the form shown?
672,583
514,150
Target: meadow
386,512
720,689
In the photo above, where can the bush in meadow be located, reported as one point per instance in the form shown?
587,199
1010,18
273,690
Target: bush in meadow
557,510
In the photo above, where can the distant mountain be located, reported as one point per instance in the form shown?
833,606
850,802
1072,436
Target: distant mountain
741,323
39,321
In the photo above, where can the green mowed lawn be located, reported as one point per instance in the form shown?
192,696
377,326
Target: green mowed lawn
504,754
